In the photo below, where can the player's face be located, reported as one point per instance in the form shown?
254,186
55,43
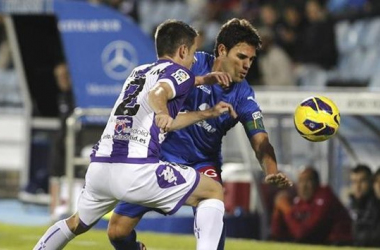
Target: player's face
238,60
360,185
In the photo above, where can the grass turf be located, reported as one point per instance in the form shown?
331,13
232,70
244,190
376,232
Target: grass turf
23,238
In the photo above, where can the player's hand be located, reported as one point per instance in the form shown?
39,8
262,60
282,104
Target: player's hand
279,179
163,121
222,78
223,108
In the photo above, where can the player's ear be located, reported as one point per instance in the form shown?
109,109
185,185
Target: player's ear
222,50
183,50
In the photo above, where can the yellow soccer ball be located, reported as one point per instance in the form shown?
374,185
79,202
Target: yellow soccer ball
317,118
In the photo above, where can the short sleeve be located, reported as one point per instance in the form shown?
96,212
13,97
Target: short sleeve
179,79
249,111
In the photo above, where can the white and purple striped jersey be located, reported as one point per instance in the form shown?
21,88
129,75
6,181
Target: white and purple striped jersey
131,135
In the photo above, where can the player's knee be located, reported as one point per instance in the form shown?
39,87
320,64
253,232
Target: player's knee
116,231
76,226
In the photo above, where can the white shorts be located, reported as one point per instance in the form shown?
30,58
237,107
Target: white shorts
162,185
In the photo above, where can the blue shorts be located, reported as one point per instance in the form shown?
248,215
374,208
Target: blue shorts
133,210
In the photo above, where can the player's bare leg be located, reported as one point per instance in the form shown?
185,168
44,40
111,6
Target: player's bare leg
121,232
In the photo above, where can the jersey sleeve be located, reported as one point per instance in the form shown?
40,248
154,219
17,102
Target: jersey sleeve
179,79
198,63
201,65
249,111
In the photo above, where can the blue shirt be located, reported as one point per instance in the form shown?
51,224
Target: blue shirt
200,144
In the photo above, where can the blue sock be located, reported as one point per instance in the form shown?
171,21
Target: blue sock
128,243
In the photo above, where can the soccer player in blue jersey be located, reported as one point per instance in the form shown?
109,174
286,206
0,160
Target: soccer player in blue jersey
199,145
125,163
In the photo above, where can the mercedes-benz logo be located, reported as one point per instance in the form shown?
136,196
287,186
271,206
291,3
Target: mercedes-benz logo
119,58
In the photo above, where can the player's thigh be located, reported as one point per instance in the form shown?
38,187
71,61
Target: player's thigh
96,198
206,189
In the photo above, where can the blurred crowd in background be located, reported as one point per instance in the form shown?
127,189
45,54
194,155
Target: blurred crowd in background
300,43
311,213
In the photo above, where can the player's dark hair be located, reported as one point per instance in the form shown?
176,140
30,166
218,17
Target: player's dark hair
237,31
171,34
362,168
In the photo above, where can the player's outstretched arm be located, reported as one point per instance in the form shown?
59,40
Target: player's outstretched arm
185,119
267,159
158,98
221,78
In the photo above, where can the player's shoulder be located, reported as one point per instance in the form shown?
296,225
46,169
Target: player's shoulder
203,56
243,89
176,73
169,68
203,61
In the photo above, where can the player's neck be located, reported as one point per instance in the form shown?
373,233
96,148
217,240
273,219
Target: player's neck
166,58
217,65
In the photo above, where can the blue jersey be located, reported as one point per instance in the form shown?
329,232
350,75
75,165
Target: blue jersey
200,144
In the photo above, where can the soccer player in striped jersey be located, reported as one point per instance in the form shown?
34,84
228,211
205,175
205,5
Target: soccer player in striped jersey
125,163
199,145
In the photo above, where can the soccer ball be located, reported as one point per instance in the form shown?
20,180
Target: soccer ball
317,118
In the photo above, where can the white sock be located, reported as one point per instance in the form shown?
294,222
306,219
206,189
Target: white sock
208,224
56,237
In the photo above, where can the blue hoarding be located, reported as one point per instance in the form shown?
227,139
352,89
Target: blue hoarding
102,47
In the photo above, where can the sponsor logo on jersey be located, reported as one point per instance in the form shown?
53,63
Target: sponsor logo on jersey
204,89
181,76
204,124
124,132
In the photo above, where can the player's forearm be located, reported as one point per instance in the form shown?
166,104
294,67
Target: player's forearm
267,158
185,119
200,80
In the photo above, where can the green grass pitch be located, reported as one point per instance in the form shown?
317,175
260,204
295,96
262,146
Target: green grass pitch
23,238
